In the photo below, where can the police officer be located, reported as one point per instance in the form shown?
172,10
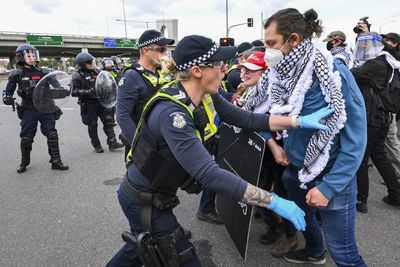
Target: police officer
26,76
233,77
139,82
118,64
167,152
108,65
83,81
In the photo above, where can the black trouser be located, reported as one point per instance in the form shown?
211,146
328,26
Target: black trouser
376,150
271,174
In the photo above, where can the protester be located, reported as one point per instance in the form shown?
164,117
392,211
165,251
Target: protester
372,77
321,173
336,44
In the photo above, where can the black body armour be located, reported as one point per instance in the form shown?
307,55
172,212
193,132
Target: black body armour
27,80
87,81
153,84
157,163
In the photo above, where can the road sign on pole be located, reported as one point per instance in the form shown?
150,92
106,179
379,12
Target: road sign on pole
110,42
45,40
126,43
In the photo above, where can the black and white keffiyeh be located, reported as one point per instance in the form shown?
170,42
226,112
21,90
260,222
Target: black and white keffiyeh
282,91
343,53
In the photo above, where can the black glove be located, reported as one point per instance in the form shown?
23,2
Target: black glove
7,100
92,92
57,114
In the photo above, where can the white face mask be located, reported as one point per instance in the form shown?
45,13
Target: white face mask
273,56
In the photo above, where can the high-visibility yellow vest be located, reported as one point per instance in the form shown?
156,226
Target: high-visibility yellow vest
167,93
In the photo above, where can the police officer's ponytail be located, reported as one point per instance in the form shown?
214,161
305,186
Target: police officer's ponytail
168,68
290,20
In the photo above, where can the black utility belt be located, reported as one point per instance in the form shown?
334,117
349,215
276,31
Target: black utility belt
159,200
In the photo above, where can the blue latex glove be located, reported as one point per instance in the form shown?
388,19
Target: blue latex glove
289,210
312,120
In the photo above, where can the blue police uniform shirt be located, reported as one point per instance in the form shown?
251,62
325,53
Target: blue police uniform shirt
172,126
130,87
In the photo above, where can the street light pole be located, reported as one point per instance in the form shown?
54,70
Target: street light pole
226,15
123,7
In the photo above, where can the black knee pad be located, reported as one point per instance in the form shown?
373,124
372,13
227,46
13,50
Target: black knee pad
26,140
52,135
108,120
93,124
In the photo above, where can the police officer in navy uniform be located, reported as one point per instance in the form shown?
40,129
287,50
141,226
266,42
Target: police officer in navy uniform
233,78
167,152
139,82
83,81
26,76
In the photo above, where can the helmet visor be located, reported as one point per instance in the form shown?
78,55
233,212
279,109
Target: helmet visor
368,47
108,63
31,56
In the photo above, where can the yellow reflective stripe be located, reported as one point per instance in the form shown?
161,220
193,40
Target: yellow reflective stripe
235,66
158,95
154,80
223,85
211,128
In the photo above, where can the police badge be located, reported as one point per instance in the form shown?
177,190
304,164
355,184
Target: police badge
178,121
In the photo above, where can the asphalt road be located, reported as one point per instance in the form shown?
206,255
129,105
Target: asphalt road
72,218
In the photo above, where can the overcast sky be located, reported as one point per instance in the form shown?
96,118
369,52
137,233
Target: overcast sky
205,17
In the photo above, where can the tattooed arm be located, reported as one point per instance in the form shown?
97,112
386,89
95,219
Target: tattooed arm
285,208
257,196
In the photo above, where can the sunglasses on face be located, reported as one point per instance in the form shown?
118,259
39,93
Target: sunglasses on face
157,49
89,62
214,64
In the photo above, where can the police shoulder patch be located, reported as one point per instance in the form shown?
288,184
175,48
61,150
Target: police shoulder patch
122,81
178,119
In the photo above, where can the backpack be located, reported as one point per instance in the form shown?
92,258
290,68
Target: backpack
390,95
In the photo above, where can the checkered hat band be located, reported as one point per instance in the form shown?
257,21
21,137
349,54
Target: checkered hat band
200,59
151,41
244,52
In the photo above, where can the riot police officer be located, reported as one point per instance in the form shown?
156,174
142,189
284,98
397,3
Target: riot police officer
167,153
108,65
139,82
26,76
83,81
118,64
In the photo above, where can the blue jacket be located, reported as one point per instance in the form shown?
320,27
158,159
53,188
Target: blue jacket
130,88
347,150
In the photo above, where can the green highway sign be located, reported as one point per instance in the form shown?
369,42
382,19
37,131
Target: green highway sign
45,40
126,43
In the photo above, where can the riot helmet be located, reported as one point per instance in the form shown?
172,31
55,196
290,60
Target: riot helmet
84,58
368,46
117,62
107,63
27,54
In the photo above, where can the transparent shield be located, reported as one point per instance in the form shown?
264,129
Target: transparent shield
52,91
106,89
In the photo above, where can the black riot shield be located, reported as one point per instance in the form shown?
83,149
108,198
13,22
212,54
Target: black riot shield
52,91
106,89
240,153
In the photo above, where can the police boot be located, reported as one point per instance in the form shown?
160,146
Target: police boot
26,148
94,138
111,140
54,152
